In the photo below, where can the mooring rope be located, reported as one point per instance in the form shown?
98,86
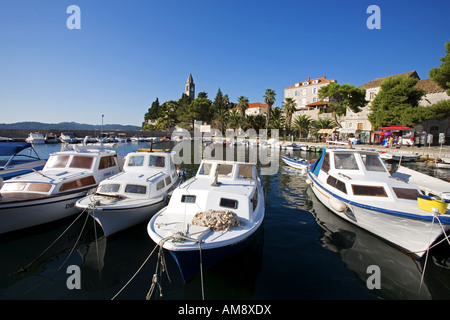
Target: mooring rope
65,260
435,216
23,269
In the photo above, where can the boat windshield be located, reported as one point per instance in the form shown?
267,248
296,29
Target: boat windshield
136,161
345,161
108,188
57,161
205,169
157,161
372,162
81,162
135,188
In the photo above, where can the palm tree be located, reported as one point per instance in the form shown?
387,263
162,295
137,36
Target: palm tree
325,123
302,124
220,118
289,109
242,105
234,120
269,99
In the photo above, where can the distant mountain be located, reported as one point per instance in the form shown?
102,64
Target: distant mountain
67,126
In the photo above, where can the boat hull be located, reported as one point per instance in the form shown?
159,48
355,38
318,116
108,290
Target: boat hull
114,220
27,214
409,234
295,164
191,262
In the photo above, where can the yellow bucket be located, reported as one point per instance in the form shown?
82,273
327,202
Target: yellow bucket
427,204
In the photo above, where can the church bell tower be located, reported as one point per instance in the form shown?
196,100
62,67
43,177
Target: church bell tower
190,87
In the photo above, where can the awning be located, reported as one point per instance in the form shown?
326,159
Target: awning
10,148
326,131
395,128
342,130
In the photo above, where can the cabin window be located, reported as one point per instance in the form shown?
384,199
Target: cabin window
255,199
57,161
168,180
136,161
372,162
345,161
39,187
228,203
14,186
81,162
246,171
79,183
108,188
135,188
205,169
406,193
336,183
326,162
371,191
157,161
224,169
188,198
160,184
106,162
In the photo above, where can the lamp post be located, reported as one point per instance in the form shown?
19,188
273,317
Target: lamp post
102,123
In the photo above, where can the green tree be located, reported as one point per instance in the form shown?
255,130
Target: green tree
220,118
153,112
398,103
234,120
269,100
442,74
289,109
199,109
342,97
277,120
440,110
302,124
242,105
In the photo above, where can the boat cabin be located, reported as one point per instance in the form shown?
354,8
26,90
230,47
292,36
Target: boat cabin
67,171
219,185
145,174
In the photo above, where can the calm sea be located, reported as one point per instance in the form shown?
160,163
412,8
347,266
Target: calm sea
303,252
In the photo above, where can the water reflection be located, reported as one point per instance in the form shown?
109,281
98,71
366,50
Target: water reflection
401,275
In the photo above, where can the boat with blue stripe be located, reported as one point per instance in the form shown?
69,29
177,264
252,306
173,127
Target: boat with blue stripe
355,185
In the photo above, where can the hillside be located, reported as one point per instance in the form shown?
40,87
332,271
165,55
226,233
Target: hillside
68,126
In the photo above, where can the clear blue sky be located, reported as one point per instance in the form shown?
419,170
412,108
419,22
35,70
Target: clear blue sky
127,53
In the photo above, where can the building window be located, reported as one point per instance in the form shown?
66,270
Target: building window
314,90
304,92
314,99
296,93
372,95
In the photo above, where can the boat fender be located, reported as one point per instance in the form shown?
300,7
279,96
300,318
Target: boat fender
337,205
308,181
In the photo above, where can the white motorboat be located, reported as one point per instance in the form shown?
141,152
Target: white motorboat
211,216
296,162
18,158
68,137
51,138
355,185
442,163
400,156
50,194
135,194
35,138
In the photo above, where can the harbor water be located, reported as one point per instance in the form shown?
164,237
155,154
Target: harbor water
302,252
